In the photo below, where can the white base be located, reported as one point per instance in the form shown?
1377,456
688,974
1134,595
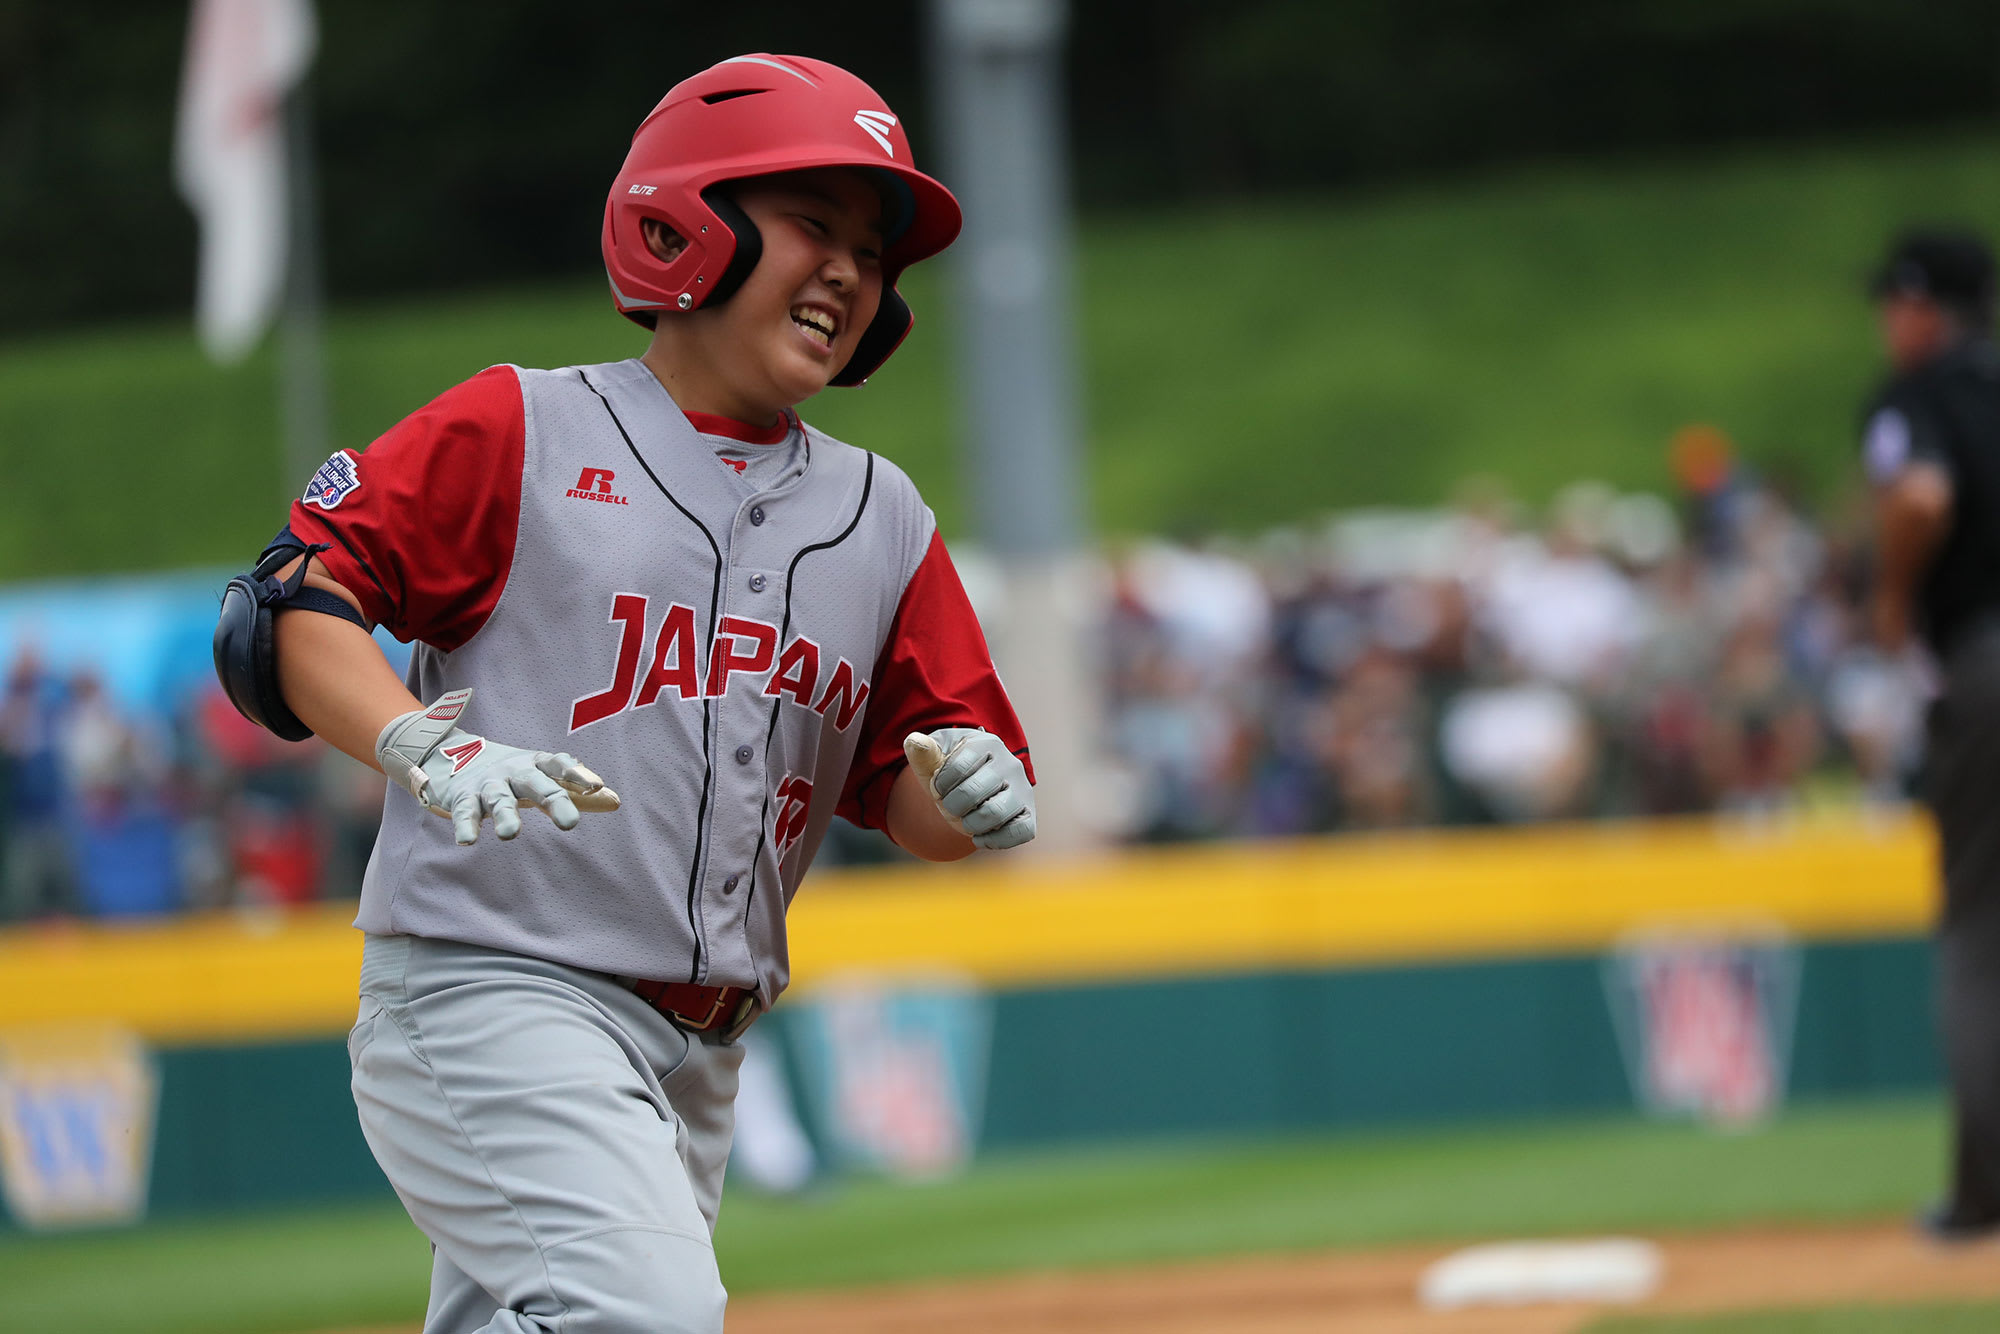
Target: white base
1522,1273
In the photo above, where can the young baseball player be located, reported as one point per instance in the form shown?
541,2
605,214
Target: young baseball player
746,625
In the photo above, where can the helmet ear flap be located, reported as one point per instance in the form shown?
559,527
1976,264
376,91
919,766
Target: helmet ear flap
749,245
884,334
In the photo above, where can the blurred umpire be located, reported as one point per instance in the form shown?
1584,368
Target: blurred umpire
1932,450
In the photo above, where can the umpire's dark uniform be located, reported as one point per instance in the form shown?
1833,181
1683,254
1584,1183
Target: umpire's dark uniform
1945,411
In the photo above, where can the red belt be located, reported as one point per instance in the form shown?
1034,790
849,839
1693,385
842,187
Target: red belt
696,1008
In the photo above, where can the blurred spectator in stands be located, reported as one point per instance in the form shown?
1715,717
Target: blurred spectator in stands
1374,743
98,755
1522,746
1317,632
1558,607
1194,628
350,797
1182,739
124,833
1763,735
1702,460
1452,667
40,879
1665,711
1875,709
265,798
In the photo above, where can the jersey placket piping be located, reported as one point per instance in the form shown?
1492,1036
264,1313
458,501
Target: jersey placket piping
704,811
784,631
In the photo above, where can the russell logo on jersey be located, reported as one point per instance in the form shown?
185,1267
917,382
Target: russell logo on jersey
595,484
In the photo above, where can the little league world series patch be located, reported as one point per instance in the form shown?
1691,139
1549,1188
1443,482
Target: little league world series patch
337,479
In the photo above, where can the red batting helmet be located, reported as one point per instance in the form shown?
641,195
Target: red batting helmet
758,115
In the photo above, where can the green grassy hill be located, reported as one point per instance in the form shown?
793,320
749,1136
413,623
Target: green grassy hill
1244,365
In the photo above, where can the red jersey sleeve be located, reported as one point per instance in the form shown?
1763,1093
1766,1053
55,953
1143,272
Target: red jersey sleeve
422,524
935,671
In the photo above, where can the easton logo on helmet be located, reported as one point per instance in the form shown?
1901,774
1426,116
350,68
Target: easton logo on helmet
878,124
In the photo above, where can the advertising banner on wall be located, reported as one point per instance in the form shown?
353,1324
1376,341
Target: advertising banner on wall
1705,1020
76,1125
895,1075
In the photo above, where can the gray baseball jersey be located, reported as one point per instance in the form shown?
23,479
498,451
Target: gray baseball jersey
740,663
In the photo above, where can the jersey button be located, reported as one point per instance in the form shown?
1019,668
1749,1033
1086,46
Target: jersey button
756,583
743,754
729,885
757,516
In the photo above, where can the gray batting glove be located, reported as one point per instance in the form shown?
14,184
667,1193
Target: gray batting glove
466,778
980,785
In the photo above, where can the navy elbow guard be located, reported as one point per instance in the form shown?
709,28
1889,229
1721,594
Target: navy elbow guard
246,659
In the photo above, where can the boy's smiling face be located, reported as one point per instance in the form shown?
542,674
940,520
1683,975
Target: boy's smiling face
797,318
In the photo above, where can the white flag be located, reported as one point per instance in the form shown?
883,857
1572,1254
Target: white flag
243,59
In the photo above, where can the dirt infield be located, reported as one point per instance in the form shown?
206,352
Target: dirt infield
1374,1292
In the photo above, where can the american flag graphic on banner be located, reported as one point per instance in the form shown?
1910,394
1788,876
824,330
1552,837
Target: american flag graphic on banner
1706,1023
896,1073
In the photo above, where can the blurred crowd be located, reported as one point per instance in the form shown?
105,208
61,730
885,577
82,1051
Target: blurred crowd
1622,657
109,811
1616,655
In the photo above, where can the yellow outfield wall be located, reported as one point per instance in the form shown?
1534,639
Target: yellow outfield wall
1158,913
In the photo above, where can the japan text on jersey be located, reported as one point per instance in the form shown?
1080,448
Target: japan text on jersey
743,646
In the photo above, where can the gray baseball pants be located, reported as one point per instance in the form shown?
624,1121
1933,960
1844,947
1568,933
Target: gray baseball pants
559,1141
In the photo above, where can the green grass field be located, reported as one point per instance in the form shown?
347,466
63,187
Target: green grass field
1079,1208
1244,365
